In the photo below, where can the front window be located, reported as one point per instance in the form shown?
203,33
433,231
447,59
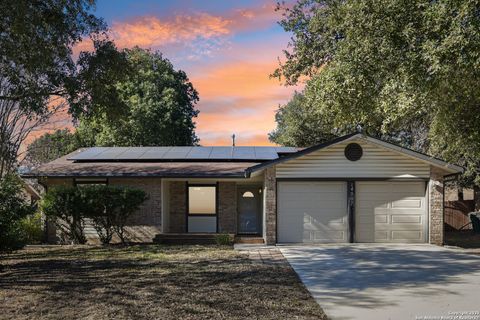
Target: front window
202,200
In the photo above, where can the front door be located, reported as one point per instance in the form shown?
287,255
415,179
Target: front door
249,209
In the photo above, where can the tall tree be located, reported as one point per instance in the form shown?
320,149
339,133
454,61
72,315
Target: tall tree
156,102
392,67
36,66
299,125
51,146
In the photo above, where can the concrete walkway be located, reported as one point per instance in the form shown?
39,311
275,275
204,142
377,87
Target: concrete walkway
262,254
389,281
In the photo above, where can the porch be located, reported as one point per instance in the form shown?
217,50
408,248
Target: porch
197,210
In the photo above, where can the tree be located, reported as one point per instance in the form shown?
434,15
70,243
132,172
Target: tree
36,66
51,146
298,125
13,209
394,68
156,102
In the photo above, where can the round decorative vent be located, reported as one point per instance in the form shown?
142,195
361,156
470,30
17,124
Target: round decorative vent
353,152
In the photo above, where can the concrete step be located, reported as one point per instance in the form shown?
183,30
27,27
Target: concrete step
186,238
249,239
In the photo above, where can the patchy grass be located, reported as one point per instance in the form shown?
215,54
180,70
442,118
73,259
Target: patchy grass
148,282
464,239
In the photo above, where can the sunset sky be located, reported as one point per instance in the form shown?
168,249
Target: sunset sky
227,48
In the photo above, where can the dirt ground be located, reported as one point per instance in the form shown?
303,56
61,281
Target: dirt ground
148,282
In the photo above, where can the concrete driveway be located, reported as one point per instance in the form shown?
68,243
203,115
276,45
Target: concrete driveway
389,281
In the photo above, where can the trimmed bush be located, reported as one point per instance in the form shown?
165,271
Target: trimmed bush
13,208
108,207
65,206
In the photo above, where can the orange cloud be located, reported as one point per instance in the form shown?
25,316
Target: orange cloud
152,31
208,32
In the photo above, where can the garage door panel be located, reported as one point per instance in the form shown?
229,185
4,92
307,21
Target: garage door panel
396,216
408,203
406,218
407,235
312,212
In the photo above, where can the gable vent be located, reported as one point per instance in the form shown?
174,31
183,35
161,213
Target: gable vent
353,152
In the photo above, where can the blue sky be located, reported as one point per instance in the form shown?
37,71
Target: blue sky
228,49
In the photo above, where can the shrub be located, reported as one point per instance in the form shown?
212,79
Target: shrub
223,239
13,208
32,225
108,207
100,206
65,206
130,201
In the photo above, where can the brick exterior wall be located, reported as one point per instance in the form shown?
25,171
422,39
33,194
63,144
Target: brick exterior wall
270,206
436,206
178,207
227,207
147,221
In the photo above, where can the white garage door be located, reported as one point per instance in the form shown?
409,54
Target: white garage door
390,212
312,212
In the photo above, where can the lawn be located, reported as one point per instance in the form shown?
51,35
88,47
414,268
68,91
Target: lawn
148,282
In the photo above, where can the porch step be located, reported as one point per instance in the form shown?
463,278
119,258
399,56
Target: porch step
249,240
186,238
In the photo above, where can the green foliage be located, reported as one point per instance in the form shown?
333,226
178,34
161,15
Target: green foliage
32,226
64,205
406,70
298,125
36,48
130,200
51,146
223,239
13,208
107,207
155,103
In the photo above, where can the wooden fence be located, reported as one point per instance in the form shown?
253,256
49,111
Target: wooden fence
456,214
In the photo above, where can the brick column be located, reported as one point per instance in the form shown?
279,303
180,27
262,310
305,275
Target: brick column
436,200
270,206
227,207
178,207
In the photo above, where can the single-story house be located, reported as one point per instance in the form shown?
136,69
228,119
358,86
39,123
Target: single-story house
355,188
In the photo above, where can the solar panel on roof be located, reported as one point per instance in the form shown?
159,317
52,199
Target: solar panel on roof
90,153
132,153
155,153
265,153
177,153
111,153
241,153
221,153
181,153
199,153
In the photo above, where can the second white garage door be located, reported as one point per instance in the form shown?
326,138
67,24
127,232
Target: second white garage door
312,212
390,212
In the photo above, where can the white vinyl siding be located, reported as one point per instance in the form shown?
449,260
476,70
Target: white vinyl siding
390,212
312,212
376,162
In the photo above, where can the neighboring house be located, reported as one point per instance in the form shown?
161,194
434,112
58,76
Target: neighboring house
353,189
